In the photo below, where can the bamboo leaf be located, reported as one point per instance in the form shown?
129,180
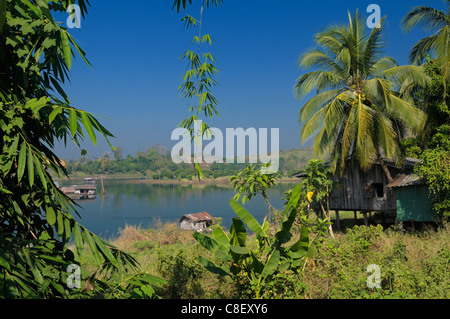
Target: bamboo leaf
34,270
67,229
57,110
39,169
21,160
78,240
66,49
88,126
4,190
59,224
106,252
30,166
91,243
50,215
73,122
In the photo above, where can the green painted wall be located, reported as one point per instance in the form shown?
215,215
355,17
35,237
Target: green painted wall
414,203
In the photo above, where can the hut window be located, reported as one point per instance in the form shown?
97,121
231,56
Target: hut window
379,189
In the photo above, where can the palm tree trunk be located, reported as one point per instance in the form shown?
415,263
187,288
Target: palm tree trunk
384,166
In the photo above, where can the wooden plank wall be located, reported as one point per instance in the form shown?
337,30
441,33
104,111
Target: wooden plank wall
354,194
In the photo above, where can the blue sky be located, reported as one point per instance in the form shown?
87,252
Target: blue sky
134,48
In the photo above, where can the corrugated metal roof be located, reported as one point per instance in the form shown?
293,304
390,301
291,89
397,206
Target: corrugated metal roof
198,216
85,186
403,180
409,163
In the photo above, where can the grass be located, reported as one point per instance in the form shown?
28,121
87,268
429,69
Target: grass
413,264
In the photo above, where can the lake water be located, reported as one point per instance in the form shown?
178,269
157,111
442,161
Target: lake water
144,205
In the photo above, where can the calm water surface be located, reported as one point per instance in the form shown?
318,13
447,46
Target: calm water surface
145,205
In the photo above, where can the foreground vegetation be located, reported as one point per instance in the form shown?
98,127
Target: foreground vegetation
371,109
413,264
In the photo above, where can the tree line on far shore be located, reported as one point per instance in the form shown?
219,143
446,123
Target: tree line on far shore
156,163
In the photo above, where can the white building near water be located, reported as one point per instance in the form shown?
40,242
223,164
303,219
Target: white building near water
199,221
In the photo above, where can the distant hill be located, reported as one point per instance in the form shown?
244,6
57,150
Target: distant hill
156,163
293,160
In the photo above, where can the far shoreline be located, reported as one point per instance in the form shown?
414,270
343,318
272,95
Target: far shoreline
133,179
195,181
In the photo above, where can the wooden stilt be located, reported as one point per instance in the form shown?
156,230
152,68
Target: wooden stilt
383,219
366,221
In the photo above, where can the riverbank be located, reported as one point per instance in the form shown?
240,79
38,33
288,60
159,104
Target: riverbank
413,264
138,179
208,181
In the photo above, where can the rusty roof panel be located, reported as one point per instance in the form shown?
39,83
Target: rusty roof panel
199,216
403,180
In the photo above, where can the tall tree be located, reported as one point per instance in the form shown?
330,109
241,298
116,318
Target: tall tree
36,218
437,44
357,112
118,153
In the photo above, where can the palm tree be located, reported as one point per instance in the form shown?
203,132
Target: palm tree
356,111
438,44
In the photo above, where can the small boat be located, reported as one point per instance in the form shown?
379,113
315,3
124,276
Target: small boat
80,191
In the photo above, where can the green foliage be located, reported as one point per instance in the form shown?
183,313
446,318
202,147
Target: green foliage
251,182
178,4
363,237
435,168
316,179
432,145
183,276
257,267
316,187
411,265
357,111
36,217
198,80
156,163
437,22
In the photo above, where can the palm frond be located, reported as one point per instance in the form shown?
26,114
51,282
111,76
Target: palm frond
404,111
364,142
428,18
381,65
402,73
319,59
316,103
313,125
320,80
373,48
378,91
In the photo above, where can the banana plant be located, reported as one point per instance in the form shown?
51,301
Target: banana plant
269,257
